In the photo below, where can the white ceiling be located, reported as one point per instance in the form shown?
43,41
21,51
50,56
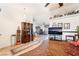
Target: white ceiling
15,12
68,7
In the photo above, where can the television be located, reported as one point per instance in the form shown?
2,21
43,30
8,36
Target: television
55,30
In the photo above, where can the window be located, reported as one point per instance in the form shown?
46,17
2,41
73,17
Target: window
66,25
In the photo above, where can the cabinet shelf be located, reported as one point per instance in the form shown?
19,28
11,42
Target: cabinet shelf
27,30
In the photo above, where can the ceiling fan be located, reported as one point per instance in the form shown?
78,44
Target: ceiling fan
60,4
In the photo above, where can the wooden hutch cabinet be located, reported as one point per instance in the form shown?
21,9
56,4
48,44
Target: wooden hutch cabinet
26,32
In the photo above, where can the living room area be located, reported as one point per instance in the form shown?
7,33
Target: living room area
39,29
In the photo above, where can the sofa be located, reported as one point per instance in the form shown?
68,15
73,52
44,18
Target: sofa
72,48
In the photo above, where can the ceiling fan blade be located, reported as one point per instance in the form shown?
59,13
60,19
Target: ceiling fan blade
47,4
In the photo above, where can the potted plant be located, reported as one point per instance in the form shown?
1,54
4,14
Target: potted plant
77,29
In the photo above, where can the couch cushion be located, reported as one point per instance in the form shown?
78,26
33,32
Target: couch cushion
75,43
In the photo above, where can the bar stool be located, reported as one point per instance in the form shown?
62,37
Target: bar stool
13,36
70,36
77,35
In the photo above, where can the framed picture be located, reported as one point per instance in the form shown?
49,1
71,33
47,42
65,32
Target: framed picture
66,25
60,24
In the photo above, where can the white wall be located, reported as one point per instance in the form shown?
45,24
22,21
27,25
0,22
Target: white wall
12,15
72,19
5,41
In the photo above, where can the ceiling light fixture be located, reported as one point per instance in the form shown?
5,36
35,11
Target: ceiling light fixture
60,4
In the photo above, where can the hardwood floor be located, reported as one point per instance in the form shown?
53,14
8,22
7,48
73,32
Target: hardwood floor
48,48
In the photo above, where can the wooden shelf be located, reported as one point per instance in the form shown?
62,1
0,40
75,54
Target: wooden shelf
27,32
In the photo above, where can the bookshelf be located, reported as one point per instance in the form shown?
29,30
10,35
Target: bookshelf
26,32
